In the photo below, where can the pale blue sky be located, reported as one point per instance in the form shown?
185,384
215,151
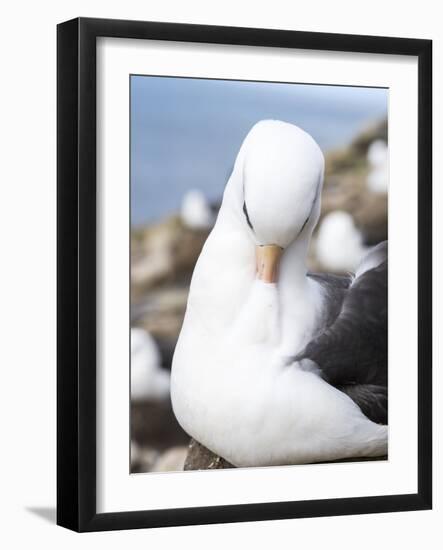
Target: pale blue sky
185,133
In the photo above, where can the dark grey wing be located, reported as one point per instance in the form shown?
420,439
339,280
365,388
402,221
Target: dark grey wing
351,353
372,400
335,288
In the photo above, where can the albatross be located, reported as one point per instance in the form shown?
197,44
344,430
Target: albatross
274,365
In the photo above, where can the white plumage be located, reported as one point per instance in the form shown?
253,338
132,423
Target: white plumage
339,245
378,159
148,379
195,210
232,388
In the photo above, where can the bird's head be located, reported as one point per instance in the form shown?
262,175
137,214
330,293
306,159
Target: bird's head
282,176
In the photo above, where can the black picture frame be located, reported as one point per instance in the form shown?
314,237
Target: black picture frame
76,280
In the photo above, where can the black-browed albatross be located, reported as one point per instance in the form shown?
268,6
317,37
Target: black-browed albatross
274,365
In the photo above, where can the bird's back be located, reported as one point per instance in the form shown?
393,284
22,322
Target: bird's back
350,350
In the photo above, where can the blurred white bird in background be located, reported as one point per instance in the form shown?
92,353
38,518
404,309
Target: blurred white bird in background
339,246
378,176
148,379
196,212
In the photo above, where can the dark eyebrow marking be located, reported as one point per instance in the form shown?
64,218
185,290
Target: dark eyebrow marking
245,211
306,221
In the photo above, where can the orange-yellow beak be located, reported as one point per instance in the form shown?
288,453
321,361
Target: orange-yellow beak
268,259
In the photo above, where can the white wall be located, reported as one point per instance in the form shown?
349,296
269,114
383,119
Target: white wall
27,270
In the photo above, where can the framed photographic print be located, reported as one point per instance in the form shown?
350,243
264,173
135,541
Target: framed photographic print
236,339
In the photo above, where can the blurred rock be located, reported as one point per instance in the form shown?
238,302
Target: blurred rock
172,460
377,130
201,458
143,458
135,453
163,253
161,313
371,217
153,422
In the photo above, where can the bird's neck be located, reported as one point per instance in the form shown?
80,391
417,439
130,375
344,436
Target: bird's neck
225,274
300,298
293,264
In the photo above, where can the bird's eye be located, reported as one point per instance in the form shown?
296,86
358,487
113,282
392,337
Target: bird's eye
303,226
245,211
